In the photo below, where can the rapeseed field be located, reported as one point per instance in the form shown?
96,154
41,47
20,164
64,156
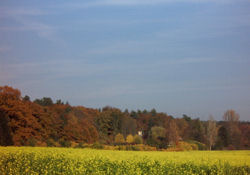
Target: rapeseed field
68,161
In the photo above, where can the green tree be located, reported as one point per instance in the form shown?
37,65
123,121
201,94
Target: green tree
26,98
59,102
134,114
158,137
222,138
45,101
153,112
187,118
197,130
128,125
138,139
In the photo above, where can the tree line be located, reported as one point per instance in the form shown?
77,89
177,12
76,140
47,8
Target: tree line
43,122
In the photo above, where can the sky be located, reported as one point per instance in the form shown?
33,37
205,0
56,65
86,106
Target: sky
178,56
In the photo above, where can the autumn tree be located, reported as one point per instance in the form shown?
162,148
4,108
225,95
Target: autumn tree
182,127
211,132
119,139
76,124
5,130
142,123
245,132
130,139
23,122
17,122
172,133
231,119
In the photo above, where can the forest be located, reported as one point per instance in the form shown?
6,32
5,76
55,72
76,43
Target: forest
43,122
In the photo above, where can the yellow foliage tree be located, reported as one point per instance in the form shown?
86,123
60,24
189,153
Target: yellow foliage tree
119,138
130,139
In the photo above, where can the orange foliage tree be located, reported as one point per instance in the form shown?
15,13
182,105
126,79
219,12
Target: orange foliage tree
16,118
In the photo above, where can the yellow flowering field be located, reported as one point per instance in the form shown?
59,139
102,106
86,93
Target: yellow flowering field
35,160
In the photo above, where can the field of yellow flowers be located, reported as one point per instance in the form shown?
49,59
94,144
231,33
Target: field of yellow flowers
35,160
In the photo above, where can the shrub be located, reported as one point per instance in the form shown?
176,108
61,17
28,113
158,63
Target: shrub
80,145
41,144
73,144
183,146
50,142
200,145
139,147
97,145
138,139
64,143
31,141
142,147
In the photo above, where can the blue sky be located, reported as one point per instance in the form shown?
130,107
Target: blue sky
177,56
